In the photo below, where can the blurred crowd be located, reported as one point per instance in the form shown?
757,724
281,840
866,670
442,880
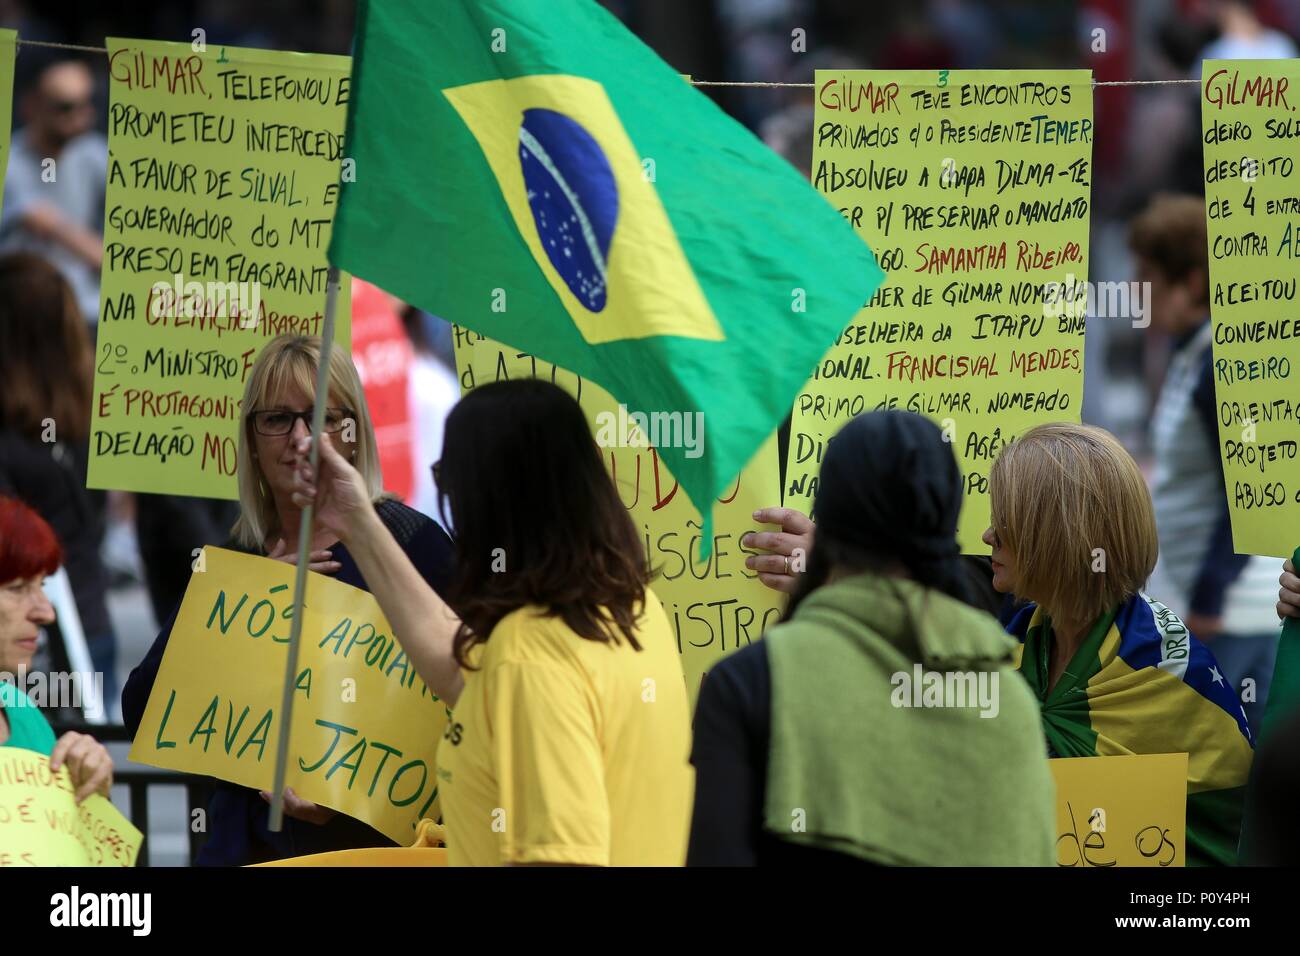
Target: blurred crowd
1148,145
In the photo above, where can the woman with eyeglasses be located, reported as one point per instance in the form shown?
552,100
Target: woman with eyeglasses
277,413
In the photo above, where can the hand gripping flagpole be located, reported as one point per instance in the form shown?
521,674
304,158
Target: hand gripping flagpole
304,551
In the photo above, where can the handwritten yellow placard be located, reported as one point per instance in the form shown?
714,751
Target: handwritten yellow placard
973,189
41,823
1250,125
223,173
716,605
365,727
8,46
1121,811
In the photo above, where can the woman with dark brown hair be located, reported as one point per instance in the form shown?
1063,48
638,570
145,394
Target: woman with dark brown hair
570,729
46,364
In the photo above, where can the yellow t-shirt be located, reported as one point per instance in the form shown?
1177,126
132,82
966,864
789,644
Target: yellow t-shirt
564,750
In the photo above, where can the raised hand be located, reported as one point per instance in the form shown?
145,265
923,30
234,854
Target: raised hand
789,548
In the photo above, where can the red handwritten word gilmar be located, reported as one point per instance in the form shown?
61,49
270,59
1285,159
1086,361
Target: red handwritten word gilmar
849,95
1261,90
141,72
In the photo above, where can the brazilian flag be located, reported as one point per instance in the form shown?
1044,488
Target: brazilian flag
530,170
1141,683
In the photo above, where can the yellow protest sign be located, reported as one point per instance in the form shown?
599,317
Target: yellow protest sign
1248,116
8,46
1121,811
365,728
716,605
223,172
973,190
41,823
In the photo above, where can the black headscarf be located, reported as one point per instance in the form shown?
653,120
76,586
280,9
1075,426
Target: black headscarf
890,487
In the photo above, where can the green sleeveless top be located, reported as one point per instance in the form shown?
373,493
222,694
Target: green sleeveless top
28,727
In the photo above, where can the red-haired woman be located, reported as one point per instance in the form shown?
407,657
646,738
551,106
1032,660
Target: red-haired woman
28,552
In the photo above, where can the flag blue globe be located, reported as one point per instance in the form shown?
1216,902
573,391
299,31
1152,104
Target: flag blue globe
574,200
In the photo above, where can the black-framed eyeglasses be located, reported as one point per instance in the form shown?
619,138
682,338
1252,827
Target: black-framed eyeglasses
275,422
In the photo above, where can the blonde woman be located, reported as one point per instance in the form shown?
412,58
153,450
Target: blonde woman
1114,671
277,412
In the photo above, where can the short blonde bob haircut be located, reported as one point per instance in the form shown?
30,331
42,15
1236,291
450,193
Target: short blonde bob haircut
1071,506
288,364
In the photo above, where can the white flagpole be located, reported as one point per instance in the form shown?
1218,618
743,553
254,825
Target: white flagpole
304,552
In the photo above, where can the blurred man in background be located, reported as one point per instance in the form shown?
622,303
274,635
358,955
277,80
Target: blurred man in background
1243,36
1226,599
54,189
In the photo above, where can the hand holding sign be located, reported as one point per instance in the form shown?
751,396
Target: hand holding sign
319,561
1288,596
790,547
300,809
89,764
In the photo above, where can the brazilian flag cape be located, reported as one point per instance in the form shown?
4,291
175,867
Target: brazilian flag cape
1141,683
